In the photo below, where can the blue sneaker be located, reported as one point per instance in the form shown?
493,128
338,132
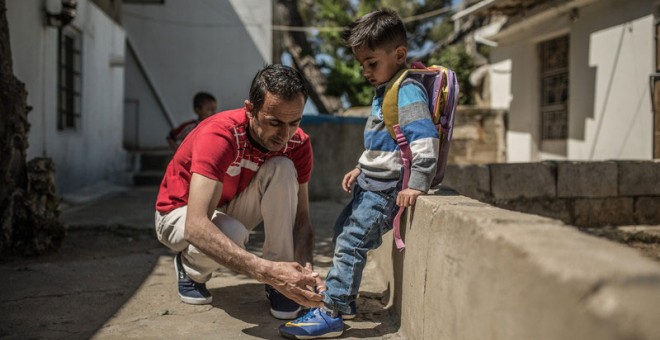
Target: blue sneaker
314,324
280,306
190,291
352,314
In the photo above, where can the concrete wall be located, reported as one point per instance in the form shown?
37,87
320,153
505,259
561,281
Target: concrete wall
473,271
611,57
338,143
186,47
93,151
584,194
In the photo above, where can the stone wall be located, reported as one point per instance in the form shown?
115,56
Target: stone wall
479,136
338,143
584,194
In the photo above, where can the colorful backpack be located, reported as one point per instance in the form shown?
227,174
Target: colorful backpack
442,89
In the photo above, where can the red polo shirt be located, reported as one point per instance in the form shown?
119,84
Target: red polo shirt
220,149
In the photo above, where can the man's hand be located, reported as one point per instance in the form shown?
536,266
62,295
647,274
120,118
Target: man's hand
320,284
407,197
349,179
296,282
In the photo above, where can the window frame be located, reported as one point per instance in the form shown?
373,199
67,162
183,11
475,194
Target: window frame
554,87
69,78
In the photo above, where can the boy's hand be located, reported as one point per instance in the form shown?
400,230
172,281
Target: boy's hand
407,197
349,179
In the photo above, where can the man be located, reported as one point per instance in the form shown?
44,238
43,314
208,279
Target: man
205,105
235,170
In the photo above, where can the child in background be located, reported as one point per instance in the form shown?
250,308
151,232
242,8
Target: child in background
378,41
205,106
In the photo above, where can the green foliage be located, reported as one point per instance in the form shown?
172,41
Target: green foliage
455,58
346,79
344,75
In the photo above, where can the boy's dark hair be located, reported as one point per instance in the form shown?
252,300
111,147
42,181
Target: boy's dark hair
283,81
379,29
201,98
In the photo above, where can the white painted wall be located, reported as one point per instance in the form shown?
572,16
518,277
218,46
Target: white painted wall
191,46
521,91
93,152
621,53
611,57
500,84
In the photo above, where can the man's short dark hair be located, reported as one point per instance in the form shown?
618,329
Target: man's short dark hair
202,98
277,79
379,29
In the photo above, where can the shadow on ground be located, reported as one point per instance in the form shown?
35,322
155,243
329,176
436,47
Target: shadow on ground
113,279
72,293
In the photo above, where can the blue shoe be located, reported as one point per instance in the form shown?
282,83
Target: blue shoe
280,306
190,291
352,314
314,324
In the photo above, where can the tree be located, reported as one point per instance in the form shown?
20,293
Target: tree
343,73
28,205
456,58
303,58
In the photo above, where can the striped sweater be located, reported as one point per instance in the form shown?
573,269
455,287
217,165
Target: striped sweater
381,158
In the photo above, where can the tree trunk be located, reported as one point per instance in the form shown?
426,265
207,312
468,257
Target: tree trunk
28,205
297,45
277,35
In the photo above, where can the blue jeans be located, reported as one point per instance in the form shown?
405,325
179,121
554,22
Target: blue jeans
359,228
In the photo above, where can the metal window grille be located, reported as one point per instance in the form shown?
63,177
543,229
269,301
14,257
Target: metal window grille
69,78
554,88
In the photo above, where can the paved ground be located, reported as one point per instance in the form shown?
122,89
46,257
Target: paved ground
112,279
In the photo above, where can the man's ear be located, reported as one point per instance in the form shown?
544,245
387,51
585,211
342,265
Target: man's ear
248,109
401,55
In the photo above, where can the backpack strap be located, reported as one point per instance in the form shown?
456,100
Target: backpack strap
390,107
406,155
390,111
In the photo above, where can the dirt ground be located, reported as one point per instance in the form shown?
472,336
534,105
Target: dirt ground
112,279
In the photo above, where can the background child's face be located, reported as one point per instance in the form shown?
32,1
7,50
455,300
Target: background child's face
206,110
380,65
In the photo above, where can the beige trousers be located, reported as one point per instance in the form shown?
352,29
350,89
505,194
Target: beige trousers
271,198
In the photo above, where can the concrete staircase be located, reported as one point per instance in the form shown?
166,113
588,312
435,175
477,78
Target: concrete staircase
150,166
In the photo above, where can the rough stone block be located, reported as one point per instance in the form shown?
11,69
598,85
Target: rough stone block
556,208
647,210
600,212
469,180
587,179
639,178
460,152
523,180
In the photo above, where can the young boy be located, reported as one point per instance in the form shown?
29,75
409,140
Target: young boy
205,106
378,41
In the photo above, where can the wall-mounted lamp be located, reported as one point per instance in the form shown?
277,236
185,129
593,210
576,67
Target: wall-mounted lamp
65,16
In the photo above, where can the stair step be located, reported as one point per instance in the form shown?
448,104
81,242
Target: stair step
148,178
154,161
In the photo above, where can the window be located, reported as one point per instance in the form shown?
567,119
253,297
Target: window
554,88
69,80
